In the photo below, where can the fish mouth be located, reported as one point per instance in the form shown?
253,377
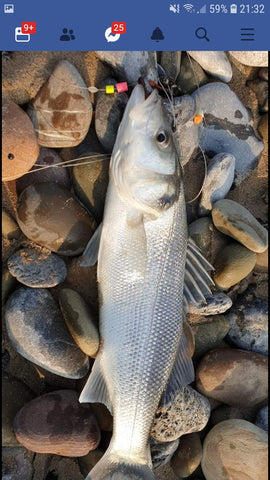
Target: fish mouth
141,96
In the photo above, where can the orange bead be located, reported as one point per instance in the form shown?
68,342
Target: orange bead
198,118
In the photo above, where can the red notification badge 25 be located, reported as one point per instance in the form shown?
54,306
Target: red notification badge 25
29,27
119,27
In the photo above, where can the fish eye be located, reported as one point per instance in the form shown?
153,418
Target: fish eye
162,138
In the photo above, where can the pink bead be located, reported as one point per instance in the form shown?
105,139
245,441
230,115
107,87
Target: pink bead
122,87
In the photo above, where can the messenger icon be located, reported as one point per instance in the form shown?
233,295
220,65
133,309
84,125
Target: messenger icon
110,37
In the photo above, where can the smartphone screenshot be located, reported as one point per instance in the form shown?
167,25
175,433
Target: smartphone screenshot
135,240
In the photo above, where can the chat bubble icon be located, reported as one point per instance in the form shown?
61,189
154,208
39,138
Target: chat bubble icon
110,37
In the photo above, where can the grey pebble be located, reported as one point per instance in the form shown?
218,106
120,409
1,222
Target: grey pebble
218,302
108,115
38,332
215,63
162,452
218,181
209,334
191,75
36,268
187,412
249,325
262,418
227,127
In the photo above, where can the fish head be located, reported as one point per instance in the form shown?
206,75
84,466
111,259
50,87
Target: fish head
145,165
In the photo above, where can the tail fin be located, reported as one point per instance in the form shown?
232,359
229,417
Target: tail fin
111,467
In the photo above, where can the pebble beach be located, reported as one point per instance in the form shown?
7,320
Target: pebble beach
57,137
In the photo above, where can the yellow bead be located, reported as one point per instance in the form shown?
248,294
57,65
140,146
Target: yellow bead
109,89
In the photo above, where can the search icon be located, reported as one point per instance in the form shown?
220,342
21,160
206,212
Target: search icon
201,33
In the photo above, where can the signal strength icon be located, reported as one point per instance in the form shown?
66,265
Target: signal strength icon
188,7
203,9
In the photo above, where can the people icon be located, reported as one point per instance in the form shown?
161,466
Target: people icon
67,35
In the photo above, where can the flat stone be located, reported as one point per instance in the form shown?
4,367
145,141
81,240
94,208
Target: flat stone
215,63
263,127
62,111
14,395
10,229
218,181
20,147
90,180
207,237
162,453
79,321
49,167
187,412
191,75
171,62
50,215
249,325
38,332
227,127
209,334
251,58
233,219
130,66
233,264
262,419
36,268
188,456
57,423
235,377
217,303
236,450
260,87
108,115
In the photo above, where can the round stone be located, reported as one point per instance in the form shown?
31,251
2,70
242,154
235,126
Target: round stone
215,63
10,229
249,325
50,215
188,455
79,321
187,412
209,334
235,450
253,59
191,75
233,264
162,453
58,424
14,395
235,377
37,268
38,332
62,111
90,181
20,148
218,181
49,167
236,221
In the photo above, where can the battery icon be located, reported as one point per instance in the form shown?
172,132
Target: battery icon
233,8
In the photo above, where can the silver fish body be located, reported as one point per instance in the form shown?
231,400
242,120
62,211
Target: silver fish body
141,265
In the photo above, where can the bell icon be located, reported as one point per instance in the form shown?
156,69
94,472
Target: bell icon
157,35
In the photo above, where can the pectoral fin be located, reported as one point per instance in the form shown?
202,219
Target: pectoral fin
95,389
182,373
197,281
90,254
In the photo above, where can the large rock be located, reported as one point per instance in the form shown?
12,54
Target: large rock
50,215
57,423
235,450
20,147
215,63
235,377
62,111
233,219
38,332
227,127
233,264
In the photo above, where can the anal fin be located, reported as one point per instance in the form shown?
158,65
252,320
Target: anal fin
90,254
182,373
95,389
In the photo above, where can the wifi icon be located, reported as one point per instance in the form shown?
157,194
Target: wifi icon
188,7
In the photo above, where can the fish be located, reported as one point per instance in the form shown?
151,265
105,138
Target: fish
148,271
